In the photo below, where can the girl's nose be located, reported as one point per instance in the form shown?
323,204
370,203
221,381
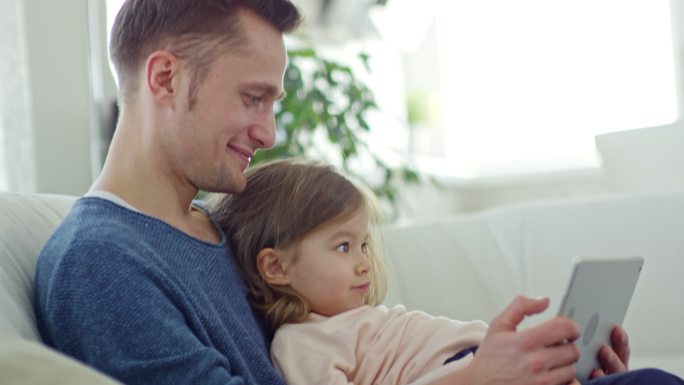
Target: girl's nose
364,266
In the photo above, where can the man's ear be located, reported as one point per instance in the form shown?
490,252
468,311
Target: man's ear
162,76
272,265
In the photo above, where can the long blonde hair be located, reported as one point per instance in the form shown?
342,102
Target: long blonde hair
284,201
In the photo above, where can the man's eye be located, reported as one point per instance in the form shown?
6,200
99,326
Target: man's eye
253,99
343,247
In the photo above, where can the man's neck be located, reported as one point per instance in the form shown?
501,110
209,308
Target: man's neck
136,174
161,202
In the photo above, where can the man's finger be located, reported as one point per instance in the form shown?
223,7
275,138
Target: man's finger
560,375
561,355
521,307
597,373
552,332
620,343
610,362
551,358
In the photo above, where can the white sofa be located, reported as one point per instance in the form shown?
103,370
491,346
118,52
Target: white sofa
471,266
465,267
26,222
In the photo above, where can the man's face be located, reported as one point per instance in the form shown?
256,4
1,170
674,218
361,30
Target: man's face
233,113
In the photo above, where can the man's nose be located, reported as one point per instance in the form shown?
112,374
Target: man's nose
263,131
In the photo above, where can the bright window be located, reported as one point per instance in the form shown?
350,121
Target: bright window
113,7
525,85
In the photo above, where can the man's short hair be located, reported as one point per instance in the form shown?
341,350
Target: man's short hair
195,30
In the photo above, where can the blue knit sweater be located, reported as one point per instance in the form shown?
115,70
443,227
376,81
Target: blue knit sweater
146,303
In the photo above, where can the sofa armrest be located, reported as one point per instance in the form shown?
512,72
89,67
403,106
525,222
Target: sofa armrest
24,362
27,221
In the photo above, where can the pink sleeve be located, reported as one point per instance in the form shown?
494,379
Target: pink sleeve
372,346
301,357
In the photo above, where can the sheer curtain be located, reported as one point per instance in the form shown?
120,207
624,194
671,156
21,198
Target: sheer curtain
16,144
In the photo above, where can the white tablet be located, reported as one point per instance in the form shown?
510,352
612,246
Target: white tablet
597,298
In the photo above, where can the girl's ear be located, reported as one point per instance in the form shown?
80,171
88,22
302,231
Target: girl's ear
272,265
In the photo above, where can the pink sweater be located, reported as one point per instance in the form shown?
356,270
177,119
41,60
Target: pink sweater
372,345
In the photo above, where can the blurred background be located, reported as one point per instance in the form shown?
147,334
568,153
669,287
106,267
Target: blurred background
509,135
497,101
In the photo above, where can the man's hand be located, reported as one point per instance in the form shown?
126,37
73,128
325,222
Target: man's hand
539,355
614,358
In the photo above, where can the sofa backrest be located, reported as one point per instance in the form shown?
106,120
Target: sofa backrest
26,222
470,266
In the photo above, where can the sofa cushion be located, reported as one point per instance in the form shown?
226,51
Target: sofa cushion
26,222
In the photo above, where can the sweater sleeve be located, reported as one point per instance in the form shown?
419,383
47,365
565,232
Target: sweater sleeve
373,345
127,320
304,359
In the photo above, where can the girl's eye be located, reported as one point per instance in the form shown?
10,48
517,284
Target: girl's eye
364,248
343,247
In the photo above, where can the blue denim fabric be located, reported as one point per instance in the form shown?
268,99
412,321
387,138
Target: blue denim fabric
638,377
461,354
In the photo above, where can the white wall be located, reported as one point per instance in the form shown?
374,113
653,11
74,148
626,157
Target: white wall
16,145
57,40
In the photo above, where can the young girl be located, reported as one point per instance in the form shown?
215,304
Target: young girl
307,241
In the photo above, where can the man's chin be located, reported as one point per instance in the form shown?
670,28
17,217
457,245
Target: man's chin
235,187
225,181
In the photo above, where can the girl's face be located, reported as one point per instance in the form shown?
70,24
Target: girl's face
329,267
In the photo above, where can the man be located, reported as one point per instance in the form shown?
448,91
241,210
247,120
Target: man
138,282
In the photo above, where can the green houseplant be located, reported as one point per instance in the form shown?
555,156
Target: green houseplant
326,105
